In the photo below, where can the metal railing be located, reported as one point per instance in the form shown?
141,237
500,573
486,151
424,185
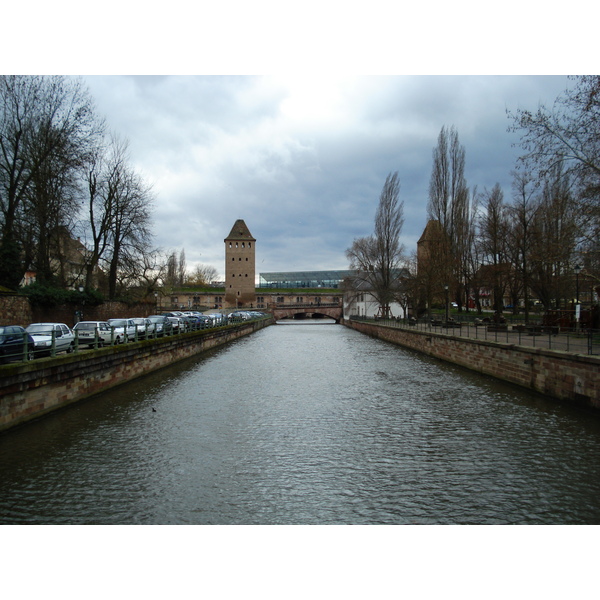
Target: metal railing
577,341
20,350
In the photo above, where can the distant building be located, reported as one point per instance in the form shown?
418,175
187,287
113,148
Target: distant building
240,267
304,279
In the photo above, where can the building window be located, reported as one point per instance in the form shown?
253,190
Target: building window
246,260
243,246
249,244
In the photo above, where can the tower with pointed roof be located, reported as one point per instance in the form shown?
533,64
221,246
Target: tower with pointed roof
240,267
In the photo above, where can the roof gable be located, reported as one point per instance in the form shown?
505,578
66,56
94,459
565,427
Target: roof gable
240,231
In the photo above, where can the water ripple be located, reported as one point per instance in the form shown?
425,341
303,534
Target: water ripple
312,424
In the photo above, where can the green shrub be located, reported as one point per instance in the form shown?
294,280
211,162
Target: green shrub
48,296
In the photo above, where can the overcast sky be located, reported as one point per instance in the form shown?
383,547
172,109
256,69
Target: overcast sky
302,154
303,159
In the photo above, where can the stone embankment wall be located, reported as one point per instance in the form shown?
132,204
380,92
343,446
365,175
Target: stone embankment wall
569,377
30,390
17,310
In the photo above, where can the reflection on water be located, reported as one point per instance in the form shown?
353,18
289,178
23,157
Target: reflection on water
306,422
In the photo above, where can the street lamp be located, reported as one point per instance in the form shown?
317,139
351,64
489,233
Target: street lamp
577,268
80,313
446,288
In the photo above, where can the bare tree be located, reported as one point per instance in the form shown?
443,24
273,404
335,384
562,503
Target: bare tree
378,257
130,233
554,234
203,275
567,134
449,206
522,214
47,125
181,269
493,240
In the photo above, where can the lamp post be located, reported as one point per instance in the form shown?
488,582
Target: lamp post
80,314
577,268
156,302
446,288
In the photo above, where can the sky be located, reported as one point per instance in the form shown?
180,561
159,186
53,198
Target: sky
291,116
303,158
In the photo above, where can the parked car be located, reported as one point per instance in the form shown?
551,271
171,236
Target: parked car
215,318
199,321
145,327
123,330
239,315
179,324
91,332
15,344
162,324
49,335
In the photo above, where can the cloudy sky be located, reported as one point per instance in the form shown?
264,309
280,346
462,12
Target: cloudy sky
290,116
303,159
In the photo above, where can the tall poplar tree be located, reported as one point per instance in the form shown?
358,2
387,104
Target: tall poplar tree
449,206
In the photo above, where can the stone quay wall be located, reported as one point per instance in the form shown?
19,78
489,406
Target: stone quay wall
574,378
30,390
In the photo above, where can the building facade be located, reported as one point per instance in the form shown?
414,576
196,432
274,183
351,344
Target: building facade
240,267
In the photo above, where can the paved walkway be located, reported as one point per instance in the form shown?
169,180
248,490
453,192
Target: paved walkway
569,341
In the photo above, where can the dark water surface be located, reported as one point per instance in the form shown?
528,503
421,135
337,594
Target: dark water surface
306,423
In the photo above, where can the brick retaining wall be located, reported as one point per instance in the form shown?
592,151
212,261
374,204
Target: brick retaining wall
30,390
566,376
17,310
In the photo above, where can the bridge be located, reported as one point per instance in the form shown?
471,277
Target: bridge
303,311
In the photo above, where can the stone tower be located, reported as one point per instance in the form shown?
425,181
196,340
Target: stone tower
240,266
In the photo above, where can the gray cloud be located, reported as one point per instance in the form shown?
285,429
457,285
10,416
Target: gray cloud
303,160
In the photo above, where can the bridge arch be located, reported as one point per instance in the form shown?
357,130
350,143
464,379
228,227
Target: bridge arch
333,311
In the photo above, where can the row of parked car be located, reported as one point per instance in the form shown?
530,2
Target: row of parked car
43,339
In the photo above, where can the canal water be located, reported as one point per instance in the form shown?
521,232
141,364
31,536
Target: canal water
306,422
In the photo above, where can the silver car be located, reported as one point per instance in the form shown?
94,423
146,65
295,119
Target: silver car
123,330
145,327
92,332
50,338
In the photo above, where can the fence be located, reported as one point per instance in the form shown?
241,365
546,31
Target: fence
20,347
577,341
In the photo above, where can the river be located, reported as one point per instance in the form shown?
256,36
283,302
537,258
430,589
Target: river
306,422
